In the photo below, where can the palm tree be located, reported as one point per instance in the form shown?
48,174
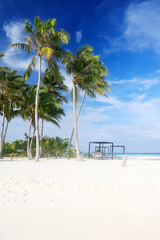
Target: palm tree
49,108
27,110
48,146
60,146
10,113
10,94
88,74
91,88
53,83
42,40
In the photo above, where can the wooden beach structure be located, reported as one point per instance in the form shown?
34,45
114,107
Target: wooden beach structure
100,149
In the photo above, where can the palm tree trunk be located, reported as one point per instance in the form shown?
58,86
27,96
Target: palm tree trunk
79,110
29,132
75,125
30,148
41,136
5,132
1,142
36,110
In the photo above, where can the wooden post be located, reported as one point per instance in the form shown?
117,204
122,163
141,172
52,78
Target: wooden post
112,150
102,150
124,161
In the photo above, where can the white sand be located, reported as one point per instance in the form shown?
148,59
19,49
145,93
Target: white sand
72,200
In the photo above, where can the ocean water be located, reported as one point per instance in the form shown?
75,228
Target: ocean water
140,154
136,154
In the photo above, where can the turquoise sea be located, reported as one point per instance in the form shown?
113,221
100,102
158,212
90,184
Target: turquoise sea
136,154
140,154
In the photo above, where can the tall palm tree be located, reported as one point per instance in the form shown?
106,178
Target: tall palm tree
95,86
44,41
88,74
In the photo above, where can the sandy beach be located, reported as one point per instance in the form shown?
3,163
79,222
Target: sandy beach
73,200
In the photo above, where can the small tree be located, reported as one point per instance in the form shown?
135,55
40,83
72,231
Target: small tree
60,146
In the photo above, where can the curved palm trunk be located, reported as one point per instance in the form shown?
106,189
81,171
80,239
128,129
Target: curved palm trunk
70,140
30,148
29,132
36,111
41,136
1,142
5,132
75,125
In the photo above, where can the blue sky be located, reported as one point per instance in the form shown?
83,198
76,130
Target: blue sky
127,36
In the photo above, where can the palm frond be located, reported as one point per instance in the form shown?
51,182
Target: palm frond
84,49
2,54
52,121
29,41
62,37
32,65
27,27
23,46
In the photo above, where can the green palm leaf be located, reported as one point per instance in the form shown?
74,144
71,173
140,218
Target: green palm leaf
23,46
31,67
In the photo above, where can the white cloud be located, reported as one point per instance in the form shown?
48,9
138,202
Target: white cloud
78,36
15,31
14,58
141,25
139,108
139,29
136,82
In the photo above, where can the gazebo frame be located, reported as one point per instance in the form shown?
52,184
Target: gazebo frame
119,146
96,148
101,146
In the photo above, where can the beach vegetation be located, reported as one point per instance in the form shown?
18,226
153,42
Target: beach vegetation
51,147
11,84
